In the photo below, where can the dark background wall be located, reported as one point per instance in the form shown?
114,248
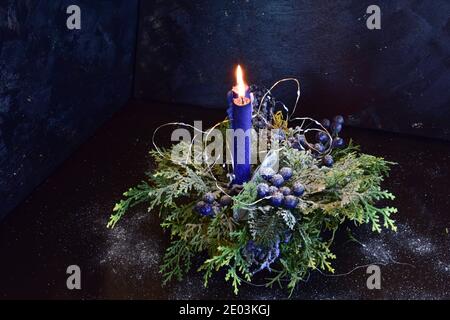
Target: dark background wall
57,85
396,78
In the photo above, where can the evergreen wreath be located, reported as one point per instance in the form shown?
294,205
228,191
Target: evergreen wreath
281,221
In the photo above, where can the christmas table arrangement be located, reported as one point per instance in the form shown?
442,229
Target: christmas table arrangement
277,214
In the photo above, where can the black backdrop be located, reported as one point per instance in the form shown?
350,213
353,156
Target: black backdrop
57,86
395,79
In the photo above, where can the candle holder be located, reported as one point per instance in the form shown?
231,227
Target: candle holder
280,218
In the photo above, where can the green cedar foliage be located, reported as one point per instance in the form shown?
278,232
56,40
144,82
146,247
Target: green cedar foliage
348,191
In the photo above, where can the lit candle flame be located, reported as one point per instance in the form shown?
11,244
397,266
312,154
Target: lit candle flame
240,84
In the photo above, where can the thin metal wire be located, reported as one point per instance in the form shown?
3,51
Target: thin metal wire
338,274
299,129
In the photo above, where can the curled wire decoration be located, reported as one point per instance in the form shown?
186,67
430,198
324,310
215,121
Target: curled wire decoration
302,129
171,124
269,91
334,275
290,114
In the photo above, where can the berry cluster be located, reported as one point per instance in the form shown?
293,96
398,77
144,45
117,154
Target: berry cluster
275,189
322,140
335,128
278,193
209,206
262,256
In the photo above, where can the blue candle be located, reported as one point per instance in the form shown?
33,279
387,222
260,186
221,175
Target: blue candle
240,113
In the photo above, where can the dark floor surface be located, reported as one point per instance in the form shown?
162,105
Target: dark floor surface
63,222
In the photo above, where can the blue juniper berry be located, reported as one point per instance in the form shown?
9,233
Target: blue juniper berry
285,191
328,161
277,199
209,197
286,173
262,190
319,147
321,137
338,142
277,180
336,128
225,200
290,202
273,189
267,173
205,209
298,189
339,119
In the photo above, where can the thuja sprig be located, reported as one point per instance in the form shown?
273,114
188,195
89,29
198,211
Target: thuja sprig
231,258
289,241
132,197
